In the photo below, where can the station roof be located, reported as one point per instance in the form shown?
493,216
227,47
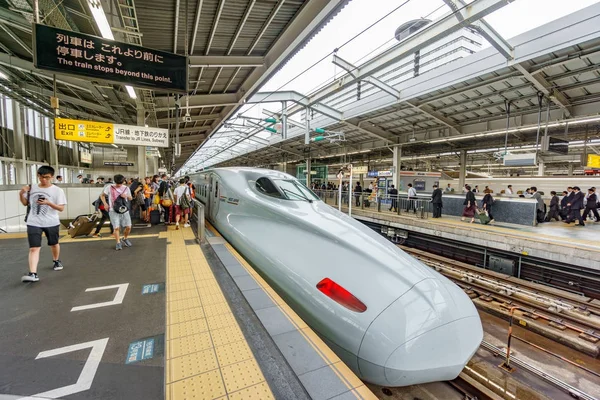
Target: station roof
459,106
233,46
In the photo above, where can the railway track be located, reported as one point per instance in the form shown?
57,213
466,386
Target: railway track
565,317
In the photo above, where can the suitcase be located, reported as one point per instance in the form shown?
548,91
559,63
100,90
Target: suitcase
155,217
82,225
483,217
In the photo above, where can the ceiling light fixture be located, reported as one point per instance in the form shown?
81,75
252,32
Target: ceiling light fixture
105,30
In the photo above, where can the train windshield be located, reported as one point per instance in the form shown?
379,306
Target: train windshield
294,190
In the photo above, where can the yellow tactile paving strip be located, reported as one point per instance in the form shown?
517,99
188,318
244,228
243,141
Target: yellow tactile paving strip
354,384
206,354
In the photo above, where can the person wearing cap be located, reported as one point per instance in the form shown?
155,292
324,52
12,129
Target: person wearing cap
592,205
576,204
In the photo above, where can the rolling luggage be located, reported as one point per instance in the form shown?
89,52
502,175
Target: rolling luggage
155,217
82,225
483,217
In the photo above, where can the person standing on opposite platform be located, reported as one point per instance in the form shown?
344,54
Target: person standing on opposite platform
44,201
487,203
553,213
576,204
118,206
394,197
412,195
592,205
509,190
541,207
436,200
470,206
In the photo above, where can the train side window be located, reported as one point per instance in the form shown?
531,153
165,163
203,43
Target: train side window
217,189
265,186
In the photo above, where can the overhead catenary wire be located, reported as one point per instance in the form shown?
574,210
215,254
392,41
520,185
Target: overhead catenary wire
450,15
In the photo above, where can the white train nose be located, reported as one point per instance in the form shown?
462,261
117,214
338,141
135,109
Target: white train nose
426,335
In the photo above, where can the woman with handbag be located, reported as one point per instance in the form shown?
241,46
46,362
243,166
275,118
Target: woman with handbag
487,203
470,206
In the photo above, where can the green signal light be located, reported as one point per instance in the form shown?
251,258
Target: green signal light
318,138
271,129
319,130
271,120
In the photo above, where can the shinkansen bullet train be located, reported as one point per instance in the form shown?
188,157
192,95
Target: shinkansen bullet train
393,320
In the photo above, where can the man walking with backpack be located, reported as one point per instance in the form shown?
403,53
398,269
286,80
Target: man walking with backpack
44,202
118,206
183,203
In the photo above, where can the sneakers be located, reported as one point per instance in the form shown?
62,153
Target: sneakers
177,226
57,265
119,246
186,225
127,243
30,277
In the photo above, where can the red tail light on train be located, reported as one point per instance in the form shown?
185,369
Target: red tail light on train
340,295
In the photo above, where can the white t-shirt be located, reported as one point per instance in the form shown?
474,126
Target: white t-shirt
111,192
508,191
42,215
412,192
180,191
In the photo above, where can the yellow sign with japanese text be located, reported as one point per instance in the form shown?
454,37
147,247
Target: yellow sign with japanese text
105,132
83,131
593,161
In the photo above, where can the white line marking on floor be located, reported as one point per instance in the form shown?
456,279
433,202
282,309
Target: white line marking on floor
121,290
84,382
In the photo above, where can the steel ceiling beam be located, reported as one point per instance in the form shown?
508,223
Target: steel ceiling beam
64,98
427,36
276,97
176,31
545,87
16,39
199,100
225,61
207,117
214,27
196,25
485,29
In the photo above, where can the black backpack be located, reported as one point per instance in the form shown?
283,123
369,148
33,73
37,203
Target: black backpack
121,205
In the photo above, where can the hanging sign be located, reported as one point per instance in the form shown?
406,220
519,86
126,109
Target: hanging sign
106,132
360,170
118,164
593,161
86,55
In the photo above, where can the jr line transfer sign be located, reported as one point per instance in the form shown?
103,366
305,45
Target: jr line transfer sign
80,54
105,132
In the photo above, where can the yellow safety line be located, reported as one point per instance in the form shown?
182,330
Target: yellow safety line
346,375
206,354
19,235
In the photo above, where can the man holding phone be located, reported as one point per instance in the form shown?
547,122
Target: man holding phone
45,201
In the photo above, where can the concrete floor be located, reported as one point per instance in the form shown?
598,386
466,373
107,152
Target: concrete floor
38,317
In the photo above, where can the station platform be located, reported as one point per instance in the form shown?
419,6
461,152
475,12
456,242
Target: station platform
553,241
165,319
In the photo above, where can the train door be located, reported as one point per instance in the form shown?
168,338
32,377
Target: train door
214,196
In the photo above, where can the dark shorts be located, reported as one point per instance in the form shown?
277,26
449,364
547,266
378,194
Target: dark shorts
34,234
179,210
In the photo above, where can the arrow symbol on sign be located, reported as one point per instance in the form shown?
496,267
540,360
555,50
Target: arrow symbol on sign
84,382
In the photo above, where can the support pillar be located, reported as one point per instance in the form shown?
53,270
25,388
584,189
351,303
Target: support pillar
141,153
570,171
541,168
307,146
284,127
20,150
462,174
396,159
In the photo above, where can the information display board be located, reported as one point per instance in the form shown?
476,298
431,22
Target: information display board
91,56
106,132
